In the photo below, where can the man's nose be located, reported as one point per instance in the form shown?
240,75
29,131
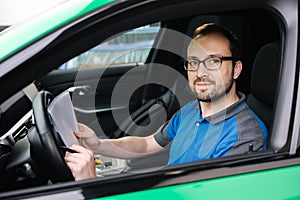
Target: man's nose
201,70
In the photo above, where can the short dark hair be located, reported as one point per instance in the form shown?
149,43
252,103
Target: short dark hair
211,28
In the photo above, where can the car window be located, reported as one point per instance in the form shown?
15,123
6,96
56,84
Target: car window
128,48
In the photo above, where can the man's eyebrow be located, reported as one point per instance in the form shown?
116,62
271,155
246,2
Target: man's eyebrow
193,57
210,55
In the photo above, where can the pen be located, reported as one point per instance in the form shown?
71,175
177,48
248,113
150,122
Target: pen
68,149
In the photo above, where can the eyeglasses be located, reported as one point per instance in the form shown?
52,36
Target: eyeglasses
210,63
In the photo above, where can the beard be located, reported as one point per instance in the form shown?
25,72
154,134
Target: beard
217,92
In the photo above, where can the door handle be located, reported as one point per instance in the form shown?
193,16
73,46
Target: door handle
81,90
100,110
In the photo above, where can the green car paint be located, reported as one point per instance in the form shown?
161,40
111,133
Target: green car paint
281,183
45,23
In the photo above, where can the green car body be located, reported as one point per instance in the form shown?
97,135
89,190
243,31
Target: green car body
41,25
254,185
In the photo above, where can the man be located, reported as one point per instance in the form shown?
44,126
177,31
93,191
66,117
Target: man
219,124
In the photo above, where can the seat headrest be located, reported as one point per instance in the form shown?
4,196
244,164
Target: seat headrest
265,73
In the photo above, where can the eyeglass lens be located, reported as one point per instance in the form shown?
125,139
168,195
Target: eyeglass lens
209,63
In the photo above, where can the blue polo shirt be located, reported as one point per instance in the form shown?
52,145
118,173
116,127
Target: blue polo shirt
228,132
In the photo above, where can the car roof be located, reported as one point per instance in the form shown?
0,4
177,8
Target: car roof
45,23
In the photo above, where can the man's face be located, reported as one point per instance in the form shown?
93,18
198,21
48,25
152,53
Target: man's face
207,84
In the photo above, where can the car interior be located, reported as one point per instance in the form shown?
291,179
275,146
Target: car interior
147,93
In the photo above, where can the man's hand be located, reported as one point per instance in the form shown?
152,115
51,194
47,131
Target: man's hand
81,164
87,137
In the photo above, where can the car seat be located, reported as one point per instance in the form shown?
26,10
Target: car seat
264,81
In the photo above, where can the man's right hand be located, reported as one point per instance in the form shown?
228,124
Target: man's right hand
81,163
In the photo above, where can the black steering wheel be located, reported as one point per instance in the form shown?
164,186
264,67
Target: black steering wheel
46,144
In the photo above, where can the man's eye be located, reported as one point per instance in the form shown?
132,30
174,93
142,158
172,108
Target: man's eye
193,62
214,61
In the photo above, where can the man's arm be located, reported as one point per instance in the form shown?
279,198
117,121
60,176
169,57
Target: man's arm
124,148
128,147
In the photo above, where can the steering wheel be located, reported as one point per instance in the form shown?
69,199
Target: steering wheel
46,143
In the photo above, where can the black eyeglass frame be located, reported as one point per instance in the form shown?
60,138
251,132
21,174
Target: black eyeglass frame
186,61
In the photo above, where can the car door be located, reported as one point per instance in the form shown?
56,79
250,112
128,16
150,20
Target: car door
271,174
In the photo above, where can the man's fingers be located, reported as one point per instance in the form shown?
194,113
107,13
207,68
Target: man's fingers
83,134
84,131
84,128
82,163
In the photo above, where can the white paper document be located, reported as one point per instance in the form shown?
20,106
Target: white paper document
63,117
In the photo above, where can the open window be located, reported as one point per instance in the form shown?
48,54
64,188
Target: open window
117,96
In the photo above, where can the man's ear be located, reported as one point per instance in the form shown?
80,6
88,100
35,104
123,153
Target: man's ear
237,69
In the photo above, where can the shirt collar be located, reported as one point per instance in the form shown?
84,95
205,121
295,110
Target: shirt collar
227,112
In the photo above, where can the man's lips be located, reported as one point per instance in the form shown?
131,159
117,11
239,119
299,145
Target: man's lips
203,83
